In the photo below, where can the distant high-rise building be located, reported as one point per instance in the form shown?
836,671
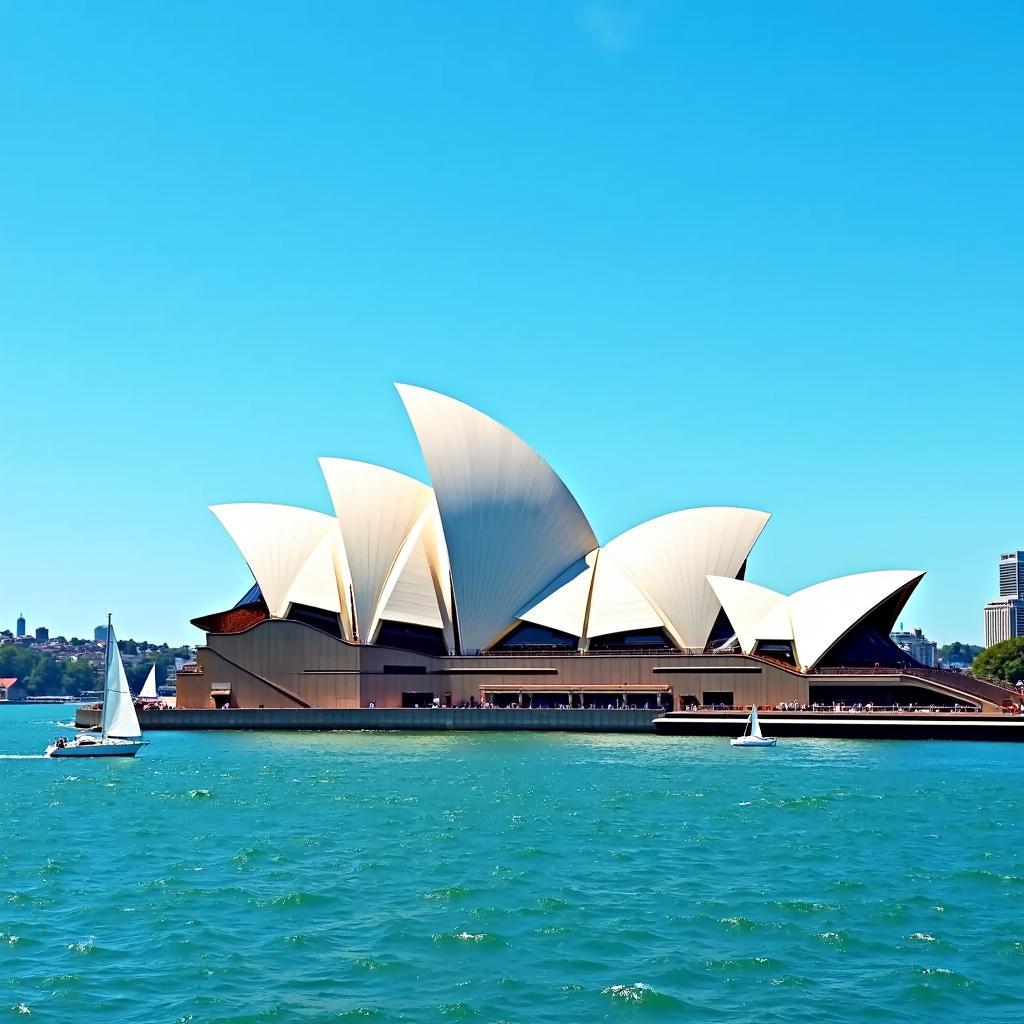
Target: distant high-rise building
917,645
42,634
1011,574
99,634
19,629
1004,617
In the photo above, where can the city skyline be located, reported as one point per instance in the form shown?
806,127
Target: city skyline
1004,615
685,286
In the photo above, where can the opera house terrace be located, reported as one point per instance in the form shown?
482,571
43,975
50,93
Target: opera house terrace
489,587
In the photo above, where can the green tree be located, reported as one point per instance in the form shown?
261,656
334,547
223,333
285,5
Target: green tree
17,661
45,679
79,676
958,652
1002,661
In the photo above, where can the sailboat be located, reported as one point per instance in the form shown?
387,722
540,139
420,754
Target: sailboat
120,734
148,691
752,733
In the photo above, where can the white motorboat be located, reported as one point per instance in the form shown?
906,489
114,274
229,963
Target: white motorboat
120,734
752,733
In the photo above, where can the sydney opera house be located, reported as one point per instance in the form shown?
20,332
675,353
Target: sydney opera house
489,586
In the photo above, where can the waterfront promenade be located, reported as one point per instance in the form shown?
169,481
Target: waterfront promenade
823,723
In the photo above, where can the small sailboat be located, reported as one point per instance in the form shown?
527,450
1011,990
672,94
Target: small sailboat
148,691
120,734
752,733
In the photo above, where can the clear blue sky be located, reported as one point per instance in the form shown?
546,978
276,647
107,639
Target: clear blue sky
695,253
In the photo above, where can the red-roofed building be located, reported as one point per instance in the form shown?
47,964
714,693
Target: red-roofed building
11,689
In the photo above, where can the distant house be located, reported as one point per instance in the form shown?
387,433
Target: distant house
12,689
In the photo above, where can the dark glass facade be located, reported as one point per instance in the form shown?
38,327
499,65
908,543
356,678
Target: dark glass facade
326,622
643,640
407,636
529,636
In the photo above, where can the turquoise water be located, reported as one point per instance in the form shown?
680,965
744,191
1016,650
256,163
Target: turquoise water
509,877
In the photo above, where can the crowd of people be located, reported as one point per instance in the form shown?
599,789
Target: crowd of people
536,703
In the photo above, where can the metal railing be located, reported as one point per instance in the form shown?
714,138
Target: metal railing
840,707
562,652
995,691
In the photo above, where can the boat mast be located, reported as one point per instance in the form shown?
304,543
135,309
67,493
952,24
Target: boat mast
106,681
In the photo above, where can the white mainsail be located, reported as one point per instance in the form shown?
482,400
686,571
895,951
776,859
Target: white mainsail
119,718
148,691
755,725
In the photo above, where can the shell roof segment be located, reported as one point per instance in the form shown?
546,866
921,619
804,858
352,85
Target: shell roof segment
510,524
816,618
276,541
377,510
670,558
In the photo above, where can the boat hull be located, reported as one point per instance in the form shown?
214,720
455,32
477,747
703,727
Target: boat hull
108,749
755,741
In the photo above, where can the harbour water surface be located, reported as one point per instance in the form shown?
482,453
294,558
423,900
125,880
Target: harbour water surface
262,877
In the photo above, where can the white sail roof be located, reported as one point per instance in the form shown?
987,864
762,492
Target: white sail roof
593,597
510,524
824,613
670,558
412,597
563,605
748,605
436,551
377,510
616,605
148,691
316,584
119,718
814,619
276,541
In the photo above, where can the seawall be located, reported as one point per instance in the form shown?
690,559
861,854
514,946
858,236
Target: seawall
424,719
862,725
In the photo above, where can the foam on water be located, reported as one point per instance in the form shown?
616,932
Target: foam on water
543,878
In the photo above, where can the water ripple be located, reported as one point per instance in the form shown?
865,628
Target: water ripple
306,878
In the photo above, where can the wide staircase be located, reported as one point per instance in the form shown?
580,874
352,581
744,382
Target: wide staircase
966,687
993,690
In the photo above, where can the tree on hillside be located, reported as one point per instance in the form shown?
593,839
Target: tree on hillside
958,653
17,661
45,679
79,676
43,675
1002,661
